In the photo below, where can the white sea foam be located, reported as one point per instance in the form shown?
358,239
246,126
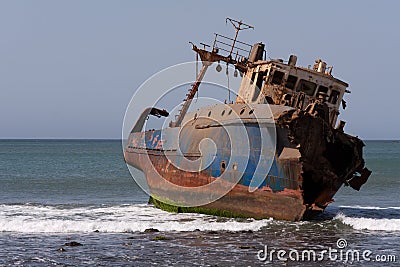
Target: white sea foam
370,223
115,219
370,207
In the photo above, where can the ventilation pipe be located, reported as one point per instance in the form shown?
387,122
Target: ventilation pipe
292,60
257,52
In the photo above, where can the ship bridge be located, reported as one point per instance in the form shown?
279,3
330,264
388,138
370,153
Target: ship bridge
309,89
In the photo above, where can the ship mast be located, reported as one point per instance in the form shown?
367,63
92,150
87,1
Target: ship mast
238,27
209,57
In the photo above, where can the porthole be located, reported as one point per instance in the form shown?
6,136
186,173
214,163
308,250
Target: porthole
234,166
209,113
230,112
242,111
223,166
251,111
223,113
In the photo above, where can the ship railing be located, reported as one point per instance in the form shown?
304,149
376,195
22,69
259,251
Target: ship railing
236,49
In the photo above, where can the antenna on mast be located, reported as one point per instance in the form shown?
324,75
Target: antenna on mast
238,25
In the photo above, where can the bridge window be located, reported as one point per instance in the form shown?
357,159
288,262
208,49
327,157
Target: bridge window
291,82
307,87
277,77
260,79
334,97
322,89
253,76
257,89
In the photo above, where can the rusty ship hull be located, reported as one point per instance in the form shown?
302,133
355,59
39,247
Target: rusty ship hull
304,176
310,155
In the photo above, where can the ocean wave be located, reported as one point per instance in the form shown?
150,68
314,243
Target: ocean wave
30,218
370,207
360,223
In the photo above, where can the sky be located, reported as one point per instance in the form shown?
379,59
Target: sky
68,69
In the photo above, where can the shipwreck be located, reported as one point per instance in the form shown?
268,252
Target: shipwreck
312,155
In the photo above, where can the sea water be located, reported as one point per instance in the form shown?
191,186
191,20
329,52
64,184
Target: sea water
53,192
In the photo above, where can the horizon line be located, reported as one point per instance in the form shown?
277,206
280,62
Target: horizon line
119,139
